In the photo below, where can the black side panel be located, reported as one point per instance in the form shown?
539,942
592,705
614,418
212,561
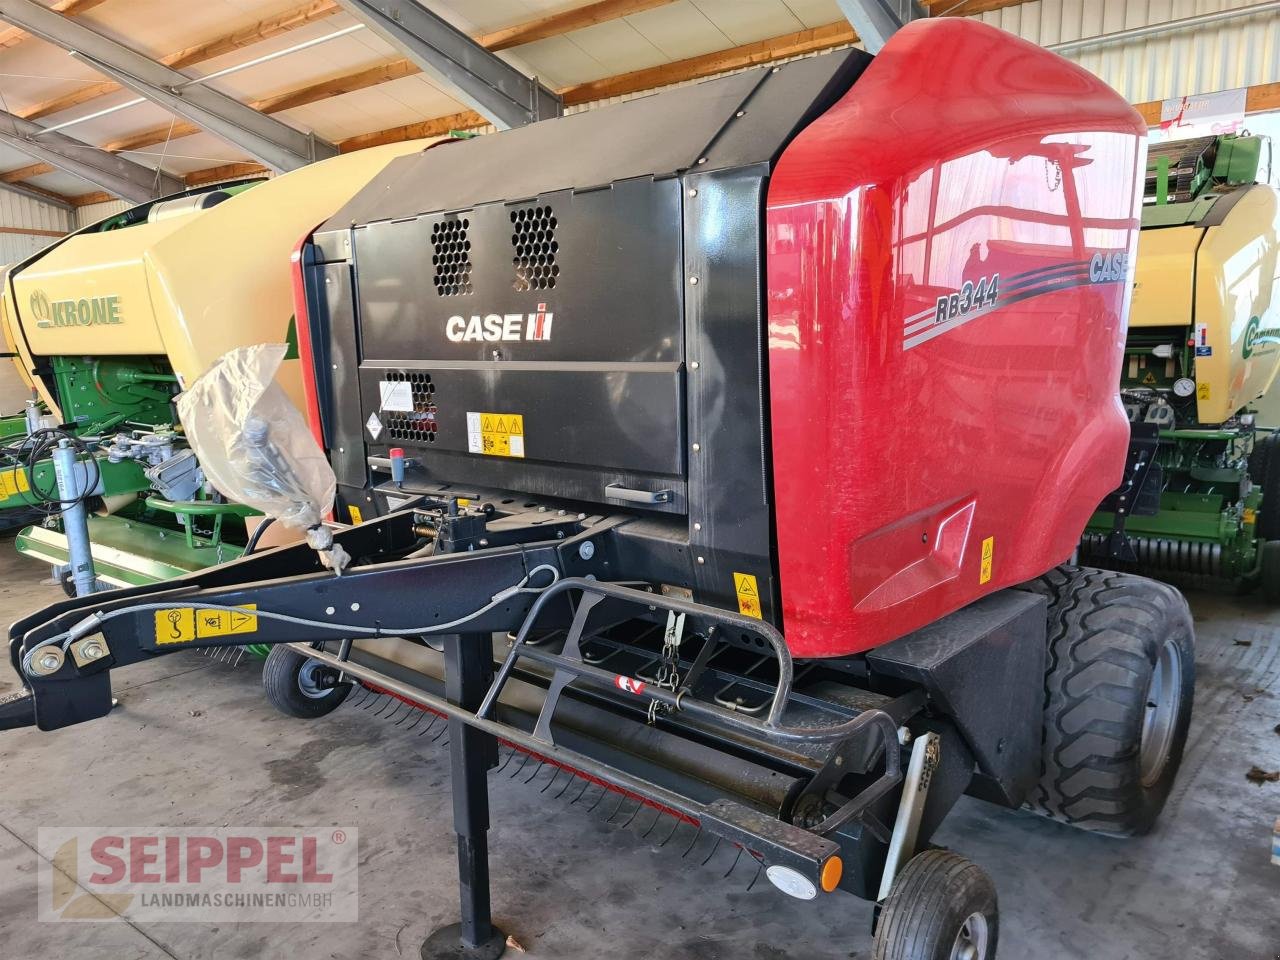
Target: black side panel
984,668
725,329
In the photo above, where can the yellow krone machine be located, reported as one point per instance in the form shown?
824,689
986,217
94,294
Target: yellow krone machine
108,325
1203,492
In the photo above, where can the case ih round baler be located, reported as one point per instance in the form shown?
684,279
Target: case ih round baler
722,448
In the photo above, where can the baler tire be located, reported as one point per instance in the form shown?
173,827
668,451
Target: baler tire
284,680
936,899
1258,459
1051,584
1269,512
1119,646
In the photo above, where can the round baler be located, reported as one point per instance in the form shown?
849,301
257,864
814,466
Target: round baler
723,449
1201,498
110,323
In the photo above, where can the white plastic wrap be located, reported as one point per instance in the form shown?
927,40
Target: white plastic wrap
254,445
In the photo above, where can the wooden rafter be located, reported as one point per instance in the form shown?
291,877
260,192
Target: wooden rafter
1258,99
557,24
527,32
291,19
228,171
26,173
98,196
436,127
10,36
33,232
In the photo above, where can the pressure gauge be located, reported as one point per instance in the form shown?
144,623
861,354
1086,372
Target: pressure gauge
1184,386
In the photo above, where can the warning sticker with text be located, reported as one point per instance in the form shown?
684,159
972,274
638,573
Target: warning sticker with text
748,591
495,434
988,558
185,624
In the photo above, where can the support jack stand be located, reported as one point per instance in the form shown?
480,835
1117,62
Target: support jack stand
472,754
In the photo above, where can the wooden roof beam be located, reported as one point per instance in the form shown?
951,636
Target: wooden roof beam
558,24
291,19
228,171
10,36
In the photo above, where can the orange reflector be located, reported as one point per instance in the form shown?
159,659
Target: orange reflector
832,871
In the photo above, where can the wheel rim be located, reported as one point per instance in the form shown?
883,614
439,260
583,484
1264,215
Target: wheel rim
309,680
971,941
1160,719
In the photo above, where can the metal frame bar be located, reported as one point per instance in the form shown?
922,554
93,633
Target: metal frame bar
115,174
479,78
877,20
266,139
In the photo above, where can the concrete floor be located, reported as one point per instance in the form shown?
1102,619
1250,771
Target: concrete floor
568,885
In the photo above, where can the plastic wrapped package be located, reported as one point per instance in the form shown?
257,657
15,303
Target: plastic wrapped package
254,445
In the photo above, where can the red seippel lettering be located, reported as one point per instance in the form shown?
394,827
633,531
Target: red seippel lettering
242,852
100,853
278,857
202,854
310,873
140,857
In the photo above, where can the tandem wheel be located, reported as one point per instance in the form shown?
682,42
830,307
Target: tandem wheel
941,907
300,687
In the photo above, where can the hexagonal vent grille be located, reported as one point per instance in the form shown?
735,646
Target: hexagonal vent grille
422,425
534,240
452,257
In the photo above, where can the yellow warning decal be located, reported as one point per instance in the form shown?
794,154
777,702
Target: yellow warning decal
1202,392
356,515
495,434
748,591
1250,516
185,624
988,557
13,482
1149,379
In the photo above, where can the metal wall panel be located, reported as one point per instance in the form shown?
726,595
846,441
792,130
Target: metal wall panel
27,213
1238,53
99,211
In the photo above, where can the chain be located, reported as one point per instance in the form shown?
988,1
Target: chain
1057,180
669,669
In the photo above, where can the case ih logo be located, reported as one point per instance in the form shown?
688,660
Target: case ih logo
495,327
88,312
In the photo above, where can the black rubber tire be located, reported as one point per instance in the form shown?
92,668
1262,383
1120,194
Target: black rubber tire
1269,576
1106,634
280,679
1052,584
931,899
1258,457
1268,479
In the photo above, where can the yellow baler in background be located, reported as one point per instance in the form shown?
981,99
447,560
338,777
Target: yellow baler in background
108,325
1203,347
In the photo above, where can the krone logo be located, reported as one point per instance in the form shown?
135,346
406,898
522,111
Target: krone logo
86,312
40,307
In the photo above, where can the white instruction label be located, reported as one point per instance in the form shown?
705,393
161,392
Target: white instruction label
374,426
396,396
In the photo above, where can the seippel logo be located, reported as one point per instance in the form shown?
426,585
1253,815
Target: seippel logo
497,327
86,312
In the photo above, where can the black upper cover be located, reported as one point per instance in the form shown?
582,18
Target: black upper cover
655,136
